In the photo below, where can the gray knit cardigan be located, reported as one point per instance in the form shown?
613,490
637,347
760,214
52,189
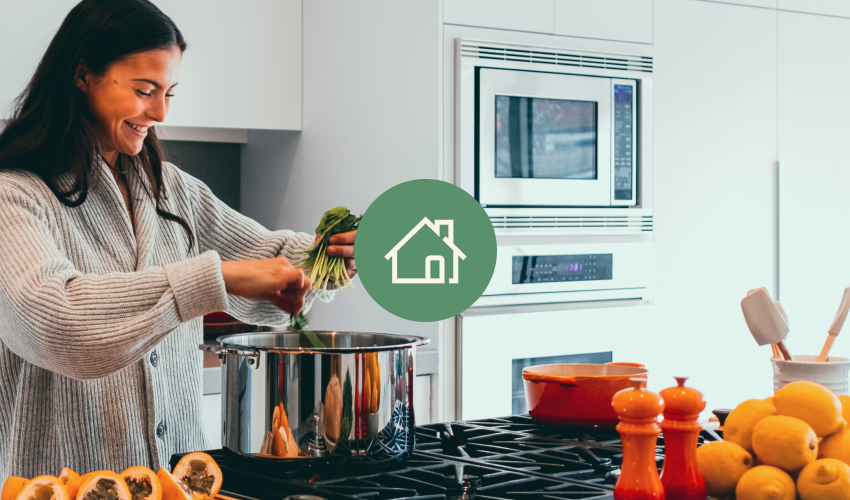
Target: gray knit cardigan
85,302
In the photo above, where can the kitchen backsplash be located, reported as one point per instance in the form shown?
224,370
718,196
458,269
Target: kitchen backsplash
216,164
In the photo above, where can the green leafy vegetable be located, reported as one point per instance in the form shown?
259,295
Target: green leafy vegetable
347,408
326,268
299,324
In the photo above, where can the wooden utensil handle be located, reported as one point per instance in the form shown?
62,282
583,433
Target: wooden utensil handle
785,354
824,353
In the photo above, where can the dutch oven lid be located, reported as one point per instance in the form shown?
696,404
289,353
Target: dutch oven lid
333,342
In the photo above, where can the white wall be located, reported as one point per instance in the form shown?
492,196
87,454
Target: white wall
371,120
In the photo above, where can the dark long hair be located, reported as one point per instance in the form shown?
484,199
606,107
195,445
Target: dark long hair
51,132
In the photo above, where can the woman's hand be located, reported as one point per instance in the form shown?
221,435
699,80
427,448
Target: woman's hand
342,245
274,280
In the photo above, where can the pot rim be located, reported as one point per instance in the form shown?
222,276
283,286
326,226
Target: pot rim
534,376
408,341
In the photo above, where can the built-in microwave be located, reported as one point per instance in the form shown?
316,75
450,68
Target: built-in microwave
555,140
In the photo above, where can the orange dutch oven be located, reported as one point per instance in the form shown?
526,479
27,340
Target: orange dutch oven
577,395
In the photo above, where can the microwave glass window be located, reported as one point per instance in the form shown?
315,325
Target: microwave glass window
545,138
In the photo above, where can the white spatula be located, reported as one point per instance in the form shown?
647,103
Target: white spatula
836,325
765,320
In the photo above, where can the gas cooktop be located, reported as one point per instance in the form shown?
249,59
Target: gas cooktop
507,458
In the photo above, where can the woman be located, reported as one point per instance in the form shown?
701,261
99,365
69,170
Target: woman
109,257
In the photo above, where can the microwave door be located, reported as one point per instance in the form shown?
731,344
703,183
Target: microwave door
544,139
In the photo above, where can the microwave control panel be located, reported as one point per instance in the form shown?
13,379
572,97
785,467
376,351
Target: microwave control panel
558,268
624,110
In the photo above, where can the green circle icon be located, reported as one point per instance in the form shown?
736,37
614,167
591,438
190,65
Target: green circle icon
425,250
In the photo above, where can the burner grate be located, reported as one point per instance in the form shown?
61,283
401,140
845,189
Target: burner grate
508,458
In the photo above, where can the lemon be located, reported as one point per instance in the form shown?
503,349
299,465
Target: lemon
765,483
812,403
837,446
824,479
785,442
722,463
739,424
845,407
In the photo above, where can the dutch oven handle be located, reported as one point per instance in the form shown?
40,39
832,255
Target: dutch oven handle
252,355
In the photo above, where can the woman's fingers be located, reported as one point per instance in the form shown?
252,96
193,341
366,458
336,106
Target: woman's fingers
346,251
286,303
343,238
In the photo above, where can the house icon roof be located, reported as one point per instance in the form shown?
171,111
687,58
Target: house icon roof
448,240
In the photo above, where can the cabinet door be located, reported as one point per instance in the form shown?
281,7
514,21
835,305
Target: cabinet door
823,7
715,153
243,65
815,198
26,29
767,4
242,68
624,20
520,15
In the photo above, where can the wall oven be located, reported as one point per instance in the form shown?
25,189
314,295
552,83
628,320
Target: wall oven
550,139
556,144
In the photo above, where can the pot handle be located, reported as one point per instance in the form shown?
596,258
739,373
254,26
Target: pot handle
252,355
536,378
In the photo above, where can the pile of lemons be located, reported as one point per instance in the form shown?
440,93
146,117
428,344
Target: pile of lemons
794,444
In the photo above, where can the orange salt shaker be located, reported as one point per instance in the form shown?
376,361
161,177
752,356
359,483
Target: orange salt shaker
638,410
680,476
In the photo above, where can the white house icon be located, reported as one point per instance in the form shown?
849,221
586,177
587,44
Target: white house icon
449,240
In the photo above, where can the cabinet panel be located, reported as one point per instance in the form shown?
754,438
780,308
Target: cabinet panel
768,4
26,29
243,65
715,152
825,7
242,68
522,15
813,132
625,20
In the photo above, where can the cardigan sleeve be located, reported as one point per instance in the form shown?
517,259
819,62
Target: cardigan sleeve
237,237
88,326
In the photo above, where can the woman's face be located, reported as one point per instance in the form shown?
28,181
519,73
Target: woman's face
129,97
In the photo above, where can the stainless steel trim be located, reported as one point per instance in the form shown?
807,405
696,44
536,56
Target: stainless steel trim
393,342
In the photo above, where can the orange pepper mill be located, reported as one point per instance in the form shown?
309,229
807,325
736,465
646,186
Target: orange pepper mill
680,475
638,409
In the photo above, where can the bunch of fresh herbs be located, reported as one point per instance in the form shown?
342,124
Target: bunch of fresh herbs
326,268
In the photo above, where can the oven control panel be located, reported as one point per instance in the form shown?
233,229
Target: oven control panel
572,267
560,268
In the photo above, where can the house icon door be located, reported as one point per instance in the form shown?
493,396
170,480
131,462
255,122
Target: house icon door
428,277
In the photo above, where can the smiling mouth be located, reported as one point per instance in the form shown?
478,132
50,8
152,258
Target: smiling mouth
137,128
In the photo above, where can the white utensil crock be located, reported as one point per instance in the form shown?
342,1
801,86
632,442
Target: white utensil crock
831,374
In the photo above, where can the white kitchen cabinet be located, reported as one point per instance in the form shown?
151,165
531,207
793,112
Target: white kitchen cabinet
815,198
26,29
824,7
243,65
520,15
242,69
715,151
211,404
624,20
767,4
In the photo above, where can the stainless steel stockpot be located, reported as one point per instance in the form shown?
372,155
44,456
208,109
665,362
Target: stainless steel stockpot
351,400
